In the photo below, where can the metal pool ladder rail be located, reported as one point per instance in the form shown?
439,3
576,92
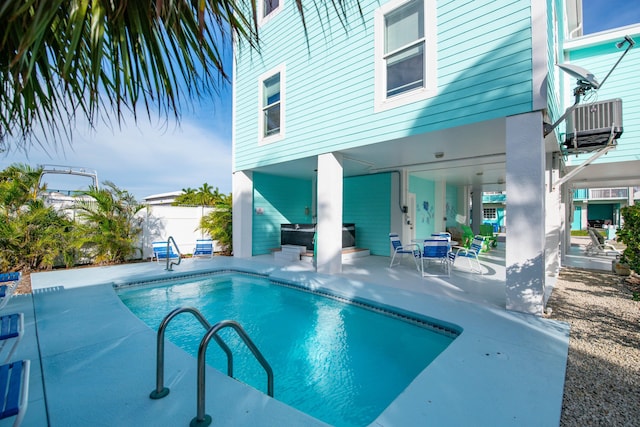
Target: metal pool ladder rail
170,263
160,391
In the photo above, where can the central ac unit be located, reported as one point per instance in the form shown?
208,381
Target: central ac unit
590,126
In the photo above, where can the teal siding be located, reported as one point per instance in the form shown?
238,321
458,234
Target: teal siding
367,201
555,35
484,72
576,224
281,200
599,60
425,202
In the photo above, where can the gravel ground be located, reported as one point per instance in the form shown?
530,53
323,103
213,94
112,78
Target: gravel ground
602,386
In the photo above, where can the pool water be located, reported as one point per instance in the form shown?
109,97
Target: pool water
338,362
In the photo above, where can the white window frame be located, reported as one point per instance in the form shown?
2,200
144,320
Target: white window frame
381,102
263,140
492,213
264,19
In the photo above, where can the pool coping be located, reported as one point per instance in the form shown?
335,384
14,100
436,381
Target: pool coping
505,368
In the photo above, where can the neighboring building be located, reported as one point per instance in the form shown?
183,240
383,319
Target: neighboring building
402,117
162,199
596,207
494,210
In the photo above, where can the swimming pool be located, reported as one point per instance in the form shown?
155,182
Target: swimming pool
341,363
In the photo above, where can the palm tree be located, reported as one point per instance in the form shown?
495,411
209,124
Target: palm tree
108,227
60,59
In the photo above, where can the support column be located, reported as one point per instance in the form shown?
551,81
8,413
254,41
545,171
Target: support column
554,220
477,214
525,255
464,206
440,206
329,229
242,183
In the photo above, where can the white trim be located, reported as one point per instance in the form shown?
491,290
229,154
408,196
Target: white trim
262,140
381,103
539,55
262,20
614,35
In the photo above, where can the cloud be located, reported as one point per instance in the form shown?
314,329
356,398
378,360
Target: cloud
146,158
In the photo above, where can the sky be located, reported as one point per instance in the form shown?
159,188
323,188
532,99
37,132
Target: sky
156,157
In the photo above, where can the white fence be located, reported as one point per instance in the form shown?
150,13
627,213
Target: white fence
179,222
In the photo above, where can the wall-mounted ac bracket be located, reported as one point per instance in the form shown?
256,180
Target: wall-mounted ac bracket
611,144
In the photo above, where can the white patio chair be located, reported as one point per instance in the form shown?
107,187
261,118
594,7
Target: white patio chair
470,254
400,249
598,245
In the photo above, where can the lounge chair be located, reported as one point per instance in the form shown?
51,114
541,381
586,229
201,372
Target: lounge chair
400,249
8,285
598,245
436,249
204,248
11,328
470,254
14,390
162,251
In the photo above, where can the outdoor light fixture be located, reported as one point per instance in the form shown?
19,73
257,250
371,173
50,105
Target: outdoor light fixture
586,81
439,155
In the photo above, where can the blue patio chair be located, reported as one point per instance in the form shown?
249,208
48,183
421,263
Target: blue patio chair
204,248
8,285
470,254
402,250
160,251
11,328
14,390
436,249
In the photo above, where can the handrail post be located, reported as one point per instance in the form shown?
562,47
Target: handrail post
170,263
202,419
160,390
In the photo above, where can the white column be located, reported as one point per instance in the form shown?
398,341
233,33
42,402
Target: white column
525,257
464,206
554,220
440,206
242,183
329,229
477,214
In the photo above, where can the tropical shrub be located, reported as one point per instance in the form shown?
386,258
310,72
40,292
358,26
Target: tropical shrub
219,224
32,235
107,227
629,234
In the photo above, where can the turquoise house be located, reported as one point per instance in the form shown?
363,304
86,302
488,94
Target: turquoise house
397,119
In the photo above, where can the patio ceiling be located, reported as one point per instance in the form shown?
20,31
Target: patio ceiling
472,154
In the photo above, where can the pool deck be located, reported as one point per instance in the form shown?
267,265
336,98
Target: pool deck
93,361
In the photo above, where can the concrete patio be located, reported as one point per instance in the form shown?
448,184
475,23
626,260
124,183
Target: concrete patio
93,362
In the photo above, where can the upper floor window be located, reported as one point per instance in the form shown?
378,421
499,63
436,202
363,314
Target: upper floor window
271,120
267,9
405,52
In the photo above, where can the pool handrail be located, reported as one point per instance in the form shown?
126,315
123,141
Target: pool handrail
160,390
202,419
170,263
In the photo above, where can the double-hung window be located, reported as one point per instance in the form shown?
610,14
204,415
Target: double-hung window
405,52
267,9
271,120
